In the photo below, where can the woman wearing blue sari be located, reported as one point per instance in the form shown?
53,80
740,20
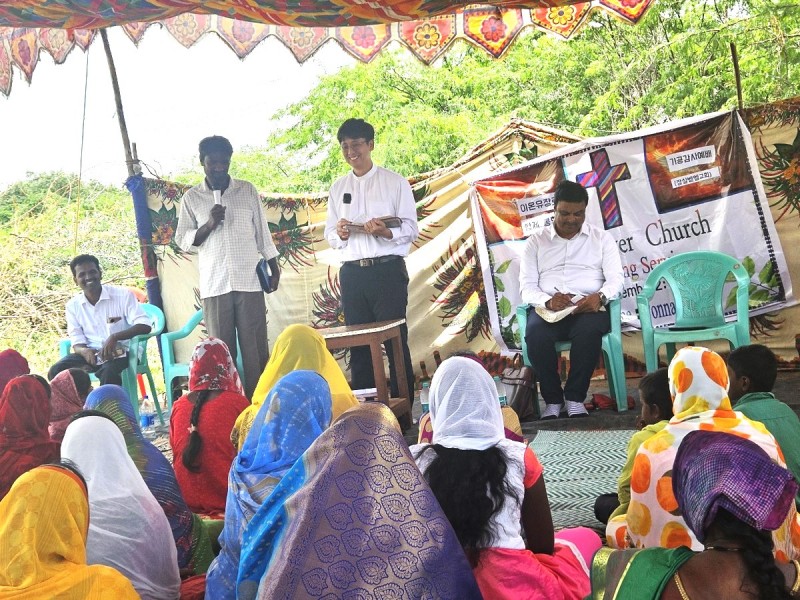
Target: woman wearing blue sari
354,518
191,538
296,411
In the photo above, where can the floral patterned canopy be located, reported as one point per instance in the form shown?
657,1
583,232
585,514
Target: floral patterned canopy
426,27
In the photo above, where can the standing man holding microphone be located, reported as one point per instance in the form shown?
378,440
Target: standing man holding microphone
373,277
222,220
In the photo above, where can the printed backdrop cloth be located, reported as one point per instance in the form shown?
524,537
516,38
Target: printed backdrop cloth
688,185
426,27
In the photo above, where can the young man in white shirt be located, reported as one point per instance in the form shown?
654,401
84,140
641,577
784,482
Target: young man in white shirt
222,220
373,277
100,320
568,259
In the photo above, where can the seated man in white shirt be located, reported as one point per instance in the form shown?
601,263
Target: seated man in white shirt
569,263
100,320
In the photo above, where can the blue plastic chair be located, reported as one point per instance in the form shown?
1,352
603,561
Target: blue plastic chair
137,360
697,280
612,353
174,369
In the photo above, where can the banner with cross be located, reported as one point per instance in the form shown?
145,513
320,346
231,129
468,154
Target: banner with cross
688,185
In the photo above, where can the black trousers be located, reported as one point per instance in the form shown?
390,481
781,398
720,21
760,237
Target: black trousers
371,294
108,372
585,331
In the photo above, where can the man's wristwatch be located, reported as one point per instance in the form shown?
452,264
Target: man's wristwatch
603,299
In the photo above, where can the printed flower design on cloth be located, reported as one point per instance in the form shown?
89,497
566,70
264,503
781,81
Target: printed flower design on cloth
561,15
327,548
424,502
342,574
407,477
396,507
493,29
379,479
427,36
327,309
315,581
390,591
350,484
780,172
363,36
388,448
340,516
295,243
415,533
367,510
356,542
360,452
373,569
385,537
404,564
185,26
242,30
462,297
302,37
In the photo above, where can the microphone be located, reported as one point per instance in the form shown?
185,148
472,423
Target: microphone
346,200
217,197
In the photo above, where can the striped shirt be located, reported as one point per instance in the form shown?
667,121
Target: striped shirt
229,255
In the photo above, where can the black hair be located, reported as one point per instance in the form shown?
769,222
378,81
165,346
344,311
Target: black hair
756,553
90,412
69,465
82,381
215,143
654,391
467,354
44,383
355,129
570,191
83,258
756,362
190,454
460,479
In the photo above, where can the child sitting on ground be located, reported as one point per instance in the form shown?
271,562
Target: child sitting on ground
656,412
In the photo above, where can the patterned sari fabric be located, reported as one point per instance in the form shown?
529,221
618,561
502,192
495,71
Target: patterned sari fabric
699,385
65,402
24,440
298,347
297,411
211,368
635,574
12,364
128,530
44,521
191,538
354,519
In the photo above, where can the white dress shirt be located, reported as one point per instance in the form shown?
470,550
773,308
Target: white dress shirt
585,264
377,193
229,255
87,324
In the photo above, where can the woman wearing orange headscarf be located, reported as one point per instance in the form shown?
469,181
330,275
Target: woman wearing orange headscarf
298,348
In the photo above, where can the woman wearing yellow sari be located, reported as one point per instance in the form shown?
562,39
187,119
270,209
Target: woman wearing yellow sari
298,347
44,521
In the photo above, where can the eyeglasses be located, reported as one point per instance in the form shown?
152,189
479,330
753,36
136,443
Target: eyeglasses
352,145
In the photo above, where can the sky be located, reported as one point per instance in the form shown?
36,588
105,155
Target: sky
172,98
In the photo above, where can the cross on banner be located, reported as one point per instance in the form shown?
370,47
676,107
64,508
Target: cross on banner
604,177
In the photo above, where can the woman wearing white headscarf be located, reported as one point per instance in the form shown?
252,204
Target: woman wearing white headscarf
491,488
128,529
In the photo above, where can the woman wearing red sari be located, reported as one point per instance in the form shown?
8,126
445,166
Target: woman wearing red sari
24,439
200,427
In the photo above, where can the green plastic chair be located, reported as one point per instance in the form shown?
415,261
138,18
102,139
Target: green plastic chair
136,364
174,369
697,280
612,353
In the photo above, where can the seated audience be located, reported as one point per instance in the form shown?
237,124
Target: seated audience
43,524
354,519
12,364
24,440
297,411
298,347
752,371
698,380
656,412
69,390
491,489
127,529
190,535
200,427
732,494
100,322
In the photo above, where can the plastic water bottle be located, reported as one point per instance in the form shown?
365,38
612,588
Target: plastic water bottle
424,395
501,390
146,415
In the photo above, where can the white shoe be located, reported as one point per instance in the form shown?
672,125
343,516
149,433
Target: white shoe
576,409
551,411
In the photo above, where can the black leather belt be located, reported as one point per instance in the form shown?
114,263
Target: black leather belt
368,262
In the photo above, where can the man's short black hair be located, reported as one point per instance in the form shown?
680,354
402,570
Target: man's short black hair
570,191
654,391
355,129
83,258
756,362
215,143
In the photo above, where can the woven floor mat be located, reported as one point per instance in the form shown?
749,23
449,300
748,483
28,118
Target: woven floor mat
578,467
